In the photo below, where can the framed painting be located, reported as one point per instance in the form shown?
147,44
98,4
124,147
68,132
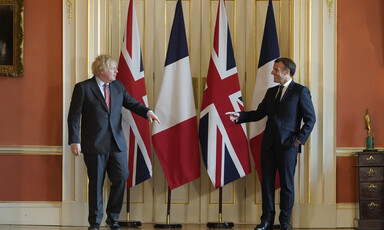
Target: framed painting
11,37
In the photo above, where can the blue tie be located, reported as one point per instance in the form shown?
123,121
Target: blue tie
278,97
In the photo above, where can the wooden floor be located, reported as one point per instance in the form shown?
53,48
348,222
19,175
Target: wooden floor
143,227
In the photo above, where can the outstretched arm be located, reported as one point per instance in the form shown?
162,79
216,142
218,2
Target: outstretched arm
233,116
152,117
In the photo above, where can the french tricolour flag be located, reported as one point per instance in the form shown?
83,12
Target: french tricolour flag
224,144
175,140
136,129
268,54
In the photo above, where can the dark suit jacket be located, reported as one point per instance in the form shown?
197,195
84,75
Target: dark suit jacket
283,126
99,126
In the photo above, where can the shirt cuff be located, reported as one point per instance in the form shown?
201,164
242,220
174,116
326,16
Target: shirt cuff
149,112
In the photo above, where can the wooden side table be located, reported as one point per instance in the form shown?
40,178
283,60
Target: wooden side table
371,190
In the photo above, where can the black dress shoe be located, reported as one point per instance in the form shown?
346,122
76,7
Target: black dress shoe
285,226
114,225
264,226
93,228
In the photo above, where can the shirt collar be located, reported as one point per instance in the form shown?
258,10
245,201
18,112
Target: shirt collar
99,82
287,83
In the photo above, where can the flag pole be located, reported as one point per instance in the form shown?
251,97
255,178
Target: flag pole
168,219
128,223
220,224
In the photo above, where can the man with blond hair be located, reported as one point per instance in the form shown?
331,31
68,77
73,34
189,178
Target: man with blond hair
97,103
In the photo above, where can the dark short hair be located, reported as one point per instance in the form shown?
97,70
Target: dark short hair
288,64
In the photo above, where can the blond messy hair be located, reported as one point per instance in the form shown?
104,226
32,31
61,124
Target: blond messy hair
102,63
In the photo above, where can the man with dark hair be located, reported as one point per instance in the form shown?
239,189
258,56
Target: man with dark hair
286,105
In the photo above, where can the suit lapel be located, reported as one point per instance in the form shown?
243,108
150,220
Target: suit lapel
96,90
113,92
275,91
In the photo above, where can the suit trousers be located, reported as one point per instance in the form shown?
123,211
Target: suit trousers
115,164
283,160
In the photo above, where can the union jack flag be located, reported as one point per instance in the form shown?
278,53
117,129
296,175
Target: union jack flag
136,129
224,144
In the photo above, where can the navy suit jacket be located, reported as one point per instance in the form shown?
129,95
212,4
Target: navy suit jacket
99,126
284,125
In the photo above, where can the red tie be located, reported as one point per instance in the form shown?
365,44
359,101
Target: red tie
107,96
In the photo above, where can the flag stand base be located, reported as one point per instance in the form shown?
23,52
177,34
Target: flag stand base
220,225
130,224
168,226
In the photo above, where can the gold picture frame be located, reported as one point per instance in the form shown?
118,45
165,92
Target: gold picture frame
11,38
